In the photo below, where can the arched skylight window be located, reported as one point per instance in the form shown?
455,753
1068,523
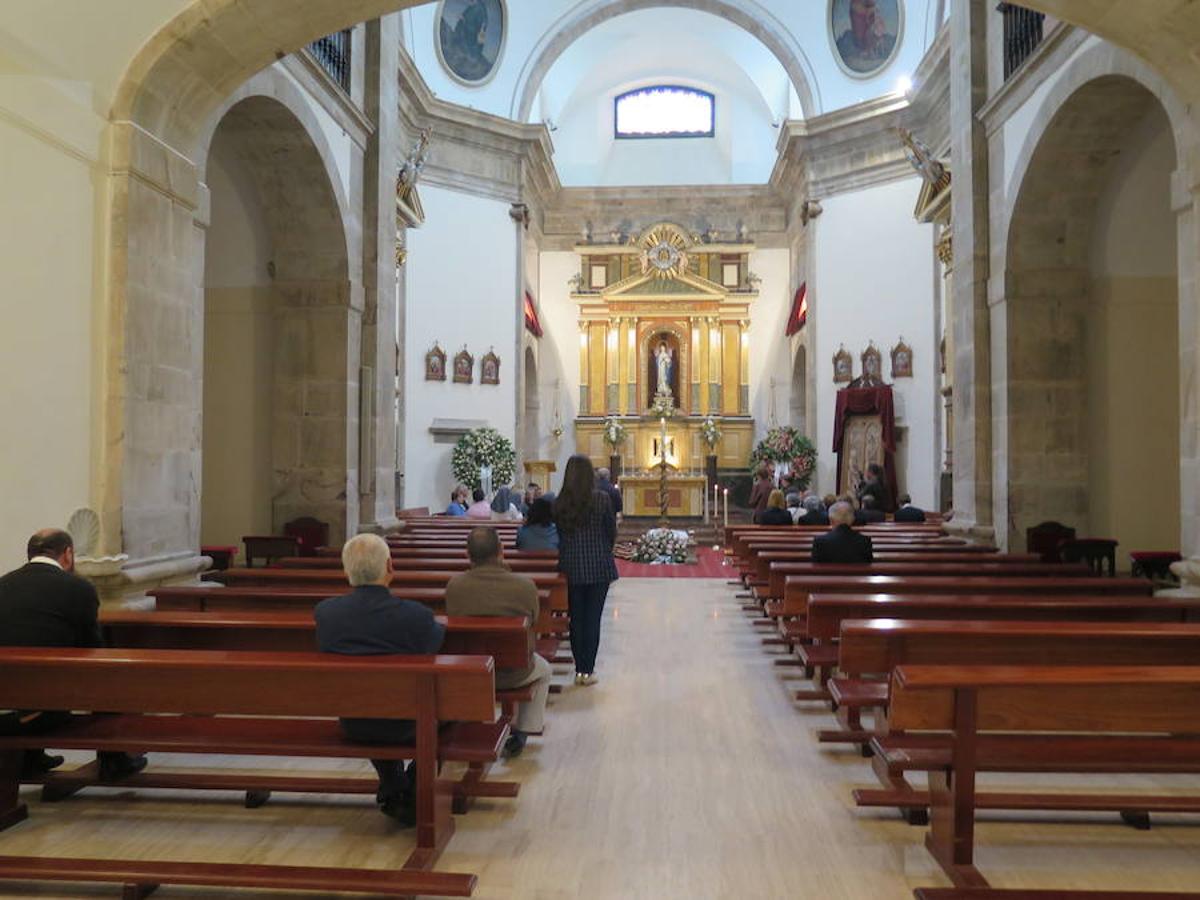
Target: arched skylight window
664,111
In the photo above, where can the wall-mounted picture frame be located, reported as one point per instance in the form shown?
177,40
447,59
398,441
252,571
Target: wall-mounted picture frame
489,369
902,360
865,34
435,364
470,36
843,366
464,367
872,363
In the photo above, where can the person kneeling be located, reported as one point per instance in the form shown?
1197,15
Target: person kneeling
369,621
489,588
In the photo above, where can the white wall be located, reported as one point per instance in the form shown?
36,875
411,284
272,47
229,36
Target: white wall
462,270
558,353
770,355
58,82
874,271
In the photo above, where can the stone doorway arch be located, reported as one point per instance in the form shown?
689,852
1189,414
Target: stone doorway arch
1087,393
278,434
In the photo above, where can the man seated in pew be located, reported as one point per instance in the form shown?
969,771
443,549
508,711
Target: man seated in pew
45,604
813,511
369,621
489,588
869,513
842,544
907,512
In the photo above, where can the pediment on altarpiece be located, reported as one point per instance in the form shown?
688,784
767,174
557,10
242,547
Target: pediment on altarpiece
684,286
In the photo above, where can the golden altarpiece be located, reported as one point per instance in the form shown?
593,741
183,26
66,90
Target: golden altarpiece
665,313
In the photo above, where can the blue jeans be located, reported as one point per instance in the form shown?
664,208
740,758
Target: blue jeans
586,603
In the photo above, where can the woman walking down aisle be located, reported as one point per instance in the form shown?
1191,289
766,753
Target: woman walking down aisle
587,528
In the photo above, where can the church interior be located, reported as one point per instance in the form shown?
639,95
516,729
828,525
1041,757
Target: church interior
297,270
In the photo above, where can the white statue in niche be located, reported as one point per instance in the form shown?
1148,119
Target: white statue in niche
664,362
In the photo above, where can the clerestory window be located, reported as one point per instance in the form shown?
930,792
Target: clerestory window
664,111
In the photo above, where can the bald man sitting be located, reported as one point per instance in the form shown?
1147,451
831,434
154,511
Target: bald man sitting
369,621
489,588
842,544
45,604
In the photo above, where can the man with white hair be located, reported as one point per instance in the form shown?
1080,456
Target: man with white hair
369,621
842,544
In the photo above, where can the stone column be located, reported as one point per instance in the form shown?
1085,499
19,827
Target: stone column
519,213
1185,191
377,436
969,312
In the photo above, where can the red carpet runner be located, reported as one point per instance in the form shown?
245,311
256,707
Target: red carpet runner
709,564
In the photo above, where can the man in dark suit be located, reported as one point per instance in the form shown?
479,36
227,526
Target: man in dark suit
604,482
842,544
870,513
44,604
907,512
369,621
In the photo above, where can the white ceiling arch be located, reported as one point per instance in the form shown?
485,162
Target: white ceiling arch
747,15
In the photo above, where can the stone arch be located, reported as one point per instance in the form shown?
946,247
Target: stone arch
531,407
1052,387
798,406
746,14
277,439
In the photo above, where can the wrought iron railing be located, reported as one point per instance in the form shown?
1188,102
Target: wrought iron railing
333,53
1023,31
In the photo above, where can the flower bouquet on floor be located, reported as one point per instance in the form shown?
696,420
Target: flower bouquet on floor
662,546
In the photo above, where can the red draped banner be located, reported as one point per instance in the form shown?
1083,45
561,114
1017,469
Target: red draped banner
867,402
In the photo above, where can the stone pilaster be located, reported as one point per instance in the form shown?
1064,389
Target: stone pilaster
973,490
377,435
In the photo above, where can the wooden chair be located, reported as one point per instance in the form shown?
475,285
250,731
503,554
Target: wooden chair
1154,564
269,547
309,533
1093,551
1045,538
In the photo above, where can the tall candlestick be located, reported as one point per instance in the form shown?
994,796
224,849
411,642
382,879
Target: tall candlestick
726,507
706,507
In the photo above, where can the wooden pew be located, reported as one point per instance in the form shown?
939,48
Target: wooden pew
504,639
253,704
919,564
764,564
869,650
967,719
552,627
438,560
404,551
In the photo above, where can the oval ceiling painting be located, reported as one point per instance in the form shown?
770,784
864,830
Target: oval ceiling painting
470,38
865,34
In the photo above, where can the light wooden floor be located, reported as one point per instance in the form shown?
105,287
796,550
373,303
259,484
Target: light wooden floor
686,773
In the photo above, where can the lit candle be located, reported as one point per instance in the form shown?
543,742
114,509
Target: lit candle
726,507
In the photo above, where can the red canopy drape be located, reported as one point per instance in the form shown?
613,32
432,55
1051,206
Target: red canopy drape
531,316
799,314
865,402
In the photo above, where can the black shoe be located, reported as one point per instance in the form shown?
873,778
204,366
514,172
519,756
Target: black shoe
121,765
515,743
402,808
38,762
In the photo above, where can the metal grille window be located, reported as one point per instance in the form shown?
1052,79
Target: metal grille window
664,111
1023,29
333,53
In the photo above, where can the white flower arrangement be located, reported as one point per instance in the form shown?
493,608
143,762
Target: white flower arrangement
663,406
614,433
479,448
710,433
662,546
